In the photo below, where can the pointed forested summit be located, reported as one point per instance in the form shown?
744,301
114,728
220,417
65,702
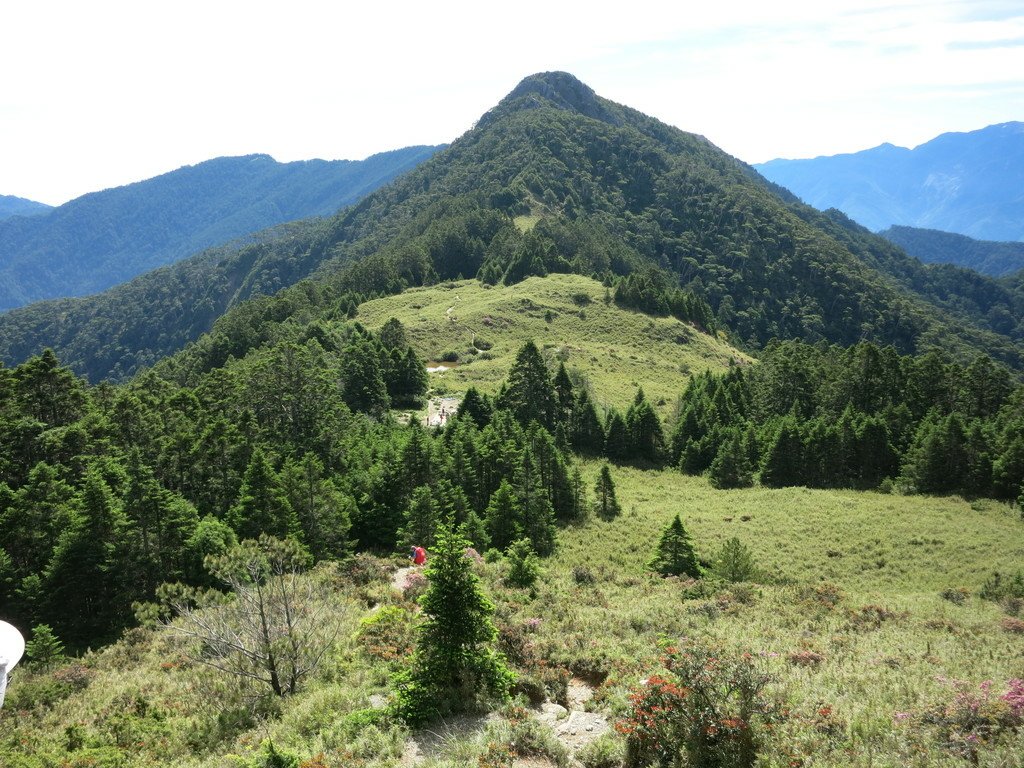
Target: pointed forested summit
554,88
553,179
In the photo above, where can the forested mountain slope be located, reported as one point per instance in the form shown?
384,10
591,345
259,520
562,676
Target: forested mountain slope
553,179
19,206
996,259
105,238
971,183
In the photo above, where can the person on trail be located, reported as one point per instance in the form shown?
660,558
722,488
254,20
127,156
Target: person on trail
412,553
419,556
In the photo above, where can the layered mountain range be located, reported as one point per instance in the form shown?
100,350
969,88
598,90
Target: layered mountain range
970,183
552,179
105,238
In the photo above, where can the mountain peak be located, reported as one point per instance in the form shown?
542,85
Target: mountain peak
560,89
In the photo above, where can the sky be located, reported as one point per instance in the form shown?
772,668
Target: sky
103,93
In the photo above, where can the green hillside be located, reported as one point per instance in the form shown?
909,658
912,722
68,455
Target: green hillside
105,238
616,350
989,257
609,193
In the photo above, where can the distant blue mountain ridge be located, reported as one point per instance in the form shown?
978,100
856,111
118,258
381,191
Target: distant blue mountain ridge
968,183
19,206
105,238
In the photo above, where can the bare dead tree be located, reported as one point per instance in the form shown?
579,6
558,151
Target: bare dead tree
275,625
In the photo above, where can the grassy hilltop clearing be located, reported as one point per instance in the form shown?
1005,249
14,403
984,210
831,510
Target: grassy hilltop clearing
570,318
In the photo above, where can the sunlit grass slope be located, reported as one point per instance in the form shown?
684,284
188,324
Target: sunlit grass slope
569,319
847,616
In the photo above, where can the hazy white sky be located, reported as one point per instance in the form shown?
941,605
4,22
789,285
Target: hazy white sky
102,93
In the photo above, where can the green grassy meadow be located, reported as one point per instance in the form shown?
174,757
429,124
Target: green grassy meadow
616,350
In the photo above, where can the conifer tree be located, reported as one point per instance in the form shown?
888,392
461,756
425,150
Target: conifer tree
476,407
646,439
731,469
564,395
585,431
734,562
263,505
784,459
421,520
503,517
529,394
79,585
362,378
605,503
324,513
44,649
32,519
538,516
674,555
616,437
455,666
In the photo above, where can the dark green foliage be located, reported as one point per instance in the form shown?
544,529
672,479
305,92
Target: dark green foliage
731,466
645,437
538,514
362,378
455,667
324,512
504,516
421,520
826,417
616,437
78,598
263,506
586,434
605,504
476,407
784,460
674,555
529,394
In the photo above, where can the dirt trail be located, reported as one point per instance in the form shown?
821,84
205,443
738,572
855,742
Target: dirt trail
440,409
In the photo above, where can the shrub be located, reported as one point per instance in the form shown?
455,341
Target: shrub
414,586
386,634
522,564
805,658
826,595
957,595
583,575
734,562
605,752
365,569
974,716
709,707
997,587
1013,625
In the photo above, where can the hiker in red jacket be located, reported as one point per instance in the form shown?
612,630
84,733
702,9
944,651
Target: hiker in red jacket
419,556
